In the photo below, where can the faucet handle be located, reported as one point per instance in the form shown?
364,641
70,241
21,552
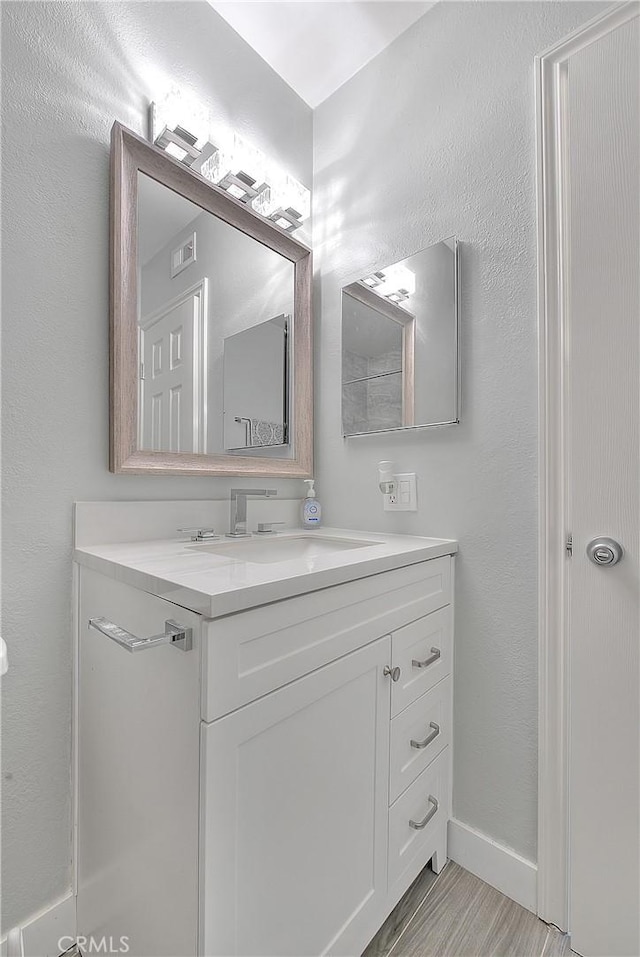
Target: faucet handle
266,528
199,534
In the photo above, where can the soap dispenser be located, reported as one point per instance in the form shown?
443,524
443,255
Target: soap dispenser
311,508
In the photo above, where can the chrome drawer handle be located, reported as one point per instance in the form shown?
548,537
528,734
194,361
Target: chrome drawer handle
418,825
419,745
174,634
435,654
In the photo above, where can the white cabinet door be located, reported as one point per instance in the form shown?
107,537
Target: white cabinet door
295,814
138,776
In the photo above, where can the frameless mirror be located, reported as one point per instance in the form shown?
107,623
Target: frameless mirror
400,344
210,326
213,374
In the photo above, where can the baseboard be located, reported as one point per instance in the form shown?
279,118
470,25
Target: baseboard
514,876
50,932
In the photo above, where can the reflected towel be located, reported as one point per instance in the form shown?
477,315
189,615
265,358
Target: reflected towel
266,433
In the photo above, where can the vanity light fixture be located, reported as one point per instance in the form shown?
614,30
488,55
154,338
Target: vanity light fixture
397,283
375,279
399,296
179,143
287,219
241,186
238,168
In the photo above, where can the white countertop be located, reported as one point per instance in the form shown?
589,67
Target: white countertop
213,585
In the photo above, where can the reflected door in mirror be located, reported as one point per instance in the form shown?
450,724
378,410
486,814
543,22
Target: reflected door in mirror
173,401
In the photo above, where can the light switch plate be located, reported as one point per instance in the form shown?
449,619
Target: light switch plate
406,496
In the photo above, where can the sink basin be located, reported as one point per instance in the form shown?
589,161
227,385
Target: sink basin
270,550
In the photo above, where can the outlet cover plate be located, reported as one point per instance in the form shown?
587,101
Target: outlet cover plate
406,496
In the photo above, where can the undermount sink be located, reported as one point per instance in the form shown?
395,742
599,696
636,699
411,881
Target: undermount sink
270,550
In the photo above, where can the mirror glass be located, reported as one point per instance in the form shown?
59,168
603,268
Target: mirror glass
214,332
255,386
400,344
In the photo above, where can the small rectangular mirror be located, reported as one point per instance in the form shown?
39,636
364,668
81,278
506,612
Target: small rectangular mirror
400,344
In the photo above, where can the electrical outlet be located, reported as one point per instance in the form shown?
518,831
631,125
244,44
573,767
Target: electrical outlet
405,498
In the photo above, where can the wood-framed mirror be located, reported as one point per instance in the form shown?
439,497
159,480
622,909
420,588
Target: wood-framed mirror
211,331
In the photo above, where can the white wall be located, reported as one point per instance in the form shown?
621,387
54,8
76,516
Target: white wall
435,137
70,70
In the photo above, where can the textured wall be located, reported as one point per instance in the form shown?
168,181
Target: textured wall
70,70
435,137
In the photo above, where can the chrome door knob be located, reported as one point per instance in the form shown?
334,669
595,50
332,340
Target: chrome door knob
605,551
394,673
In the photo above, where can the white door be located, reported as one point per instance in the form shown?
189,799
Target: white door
589,845
603,418
295,815
173,375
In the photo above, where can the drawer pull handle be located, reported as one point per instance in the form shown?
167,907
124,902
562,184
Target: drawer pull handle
418,825
435,654
393,672
174,634
419,745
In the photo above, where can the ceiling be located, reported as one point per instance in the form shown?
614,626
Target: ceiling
317,46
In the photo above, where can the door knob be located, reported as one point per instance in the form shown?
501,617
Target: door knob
605,551
393,672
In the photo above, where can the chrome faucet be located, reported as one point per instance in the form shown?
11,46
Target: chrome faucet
239,496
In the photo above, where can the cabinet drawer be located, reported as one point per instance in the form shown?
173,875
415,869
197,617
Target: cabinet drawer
418,734
252,653
427,798
422,651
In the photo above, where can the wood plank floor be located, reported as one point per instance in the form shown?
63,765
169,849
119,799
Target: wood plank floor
455,914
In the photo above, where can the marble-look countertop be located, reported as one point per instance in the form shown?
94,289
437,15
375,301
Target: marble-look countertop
189,575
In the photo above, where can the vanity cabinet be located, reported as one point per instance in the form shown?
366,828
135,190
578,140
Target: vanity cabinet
272,791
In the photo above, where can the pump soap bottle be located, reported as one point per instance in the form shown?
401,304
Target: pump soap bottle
311,508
